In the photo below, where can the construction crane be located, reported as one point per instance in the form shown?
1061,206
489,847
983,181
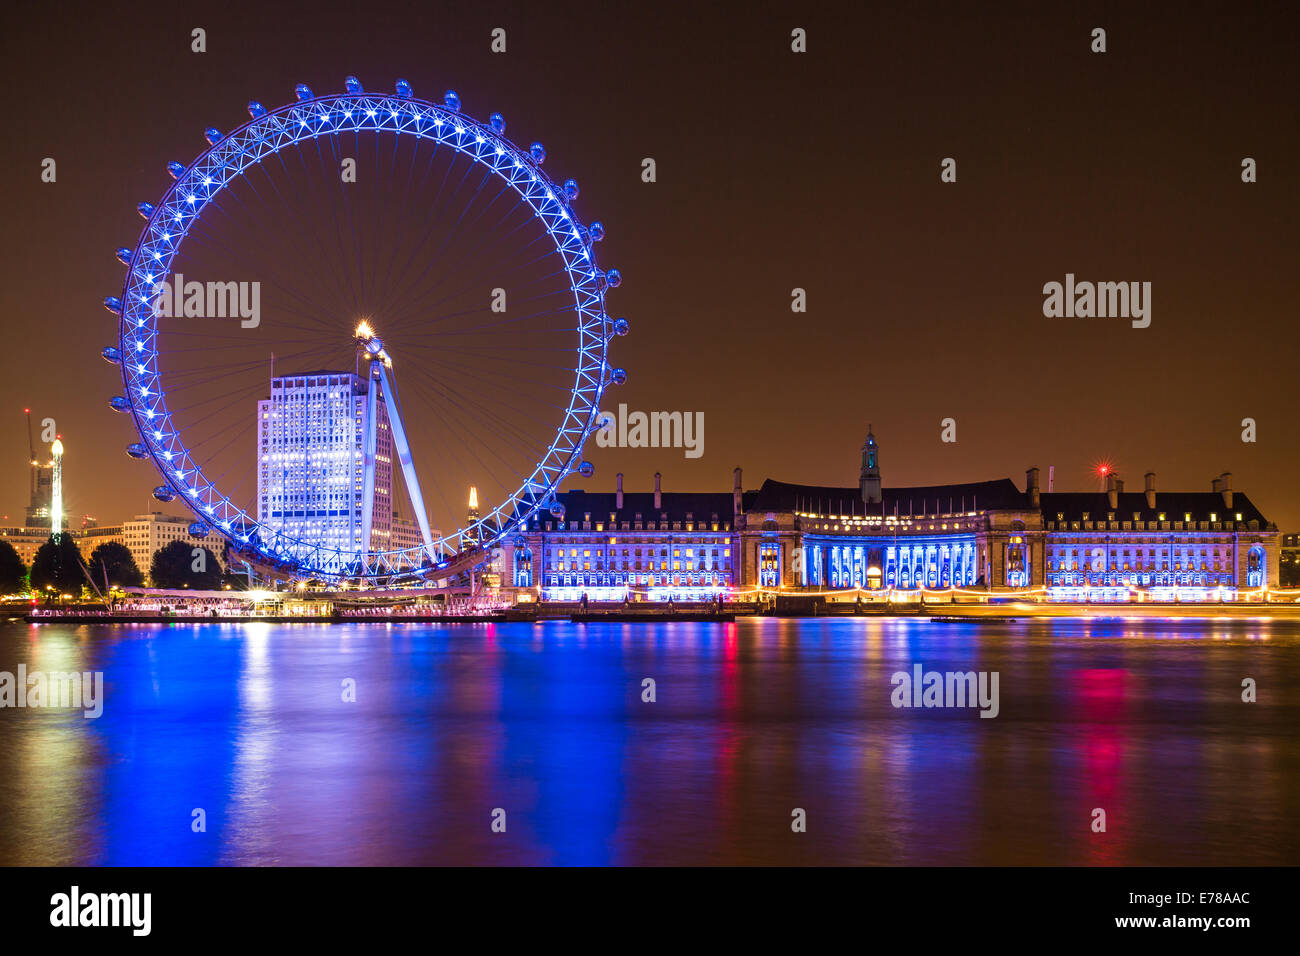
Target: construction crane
55,465
31,444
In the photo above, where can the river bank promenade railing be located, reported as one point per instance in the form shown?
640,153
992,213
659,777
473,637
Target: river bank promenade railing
240,610
454,609
143,606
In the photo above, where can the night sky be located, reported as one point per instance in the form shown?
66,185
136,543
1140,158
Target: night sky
775,170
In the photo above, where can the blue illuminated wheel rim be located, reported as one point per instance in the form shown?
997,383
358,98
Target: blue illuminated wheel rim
227,158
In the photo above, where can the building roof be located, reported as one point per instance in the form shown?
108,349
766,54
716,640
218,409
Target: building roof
315,373
1174,505
700,505
1000,494
782,496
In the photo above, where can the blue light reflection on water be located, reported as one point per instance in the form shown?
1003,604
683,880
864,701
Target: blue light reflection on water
752,720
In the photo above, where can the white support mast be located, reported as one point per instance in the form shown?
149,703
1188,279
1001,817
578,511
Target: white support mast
379,377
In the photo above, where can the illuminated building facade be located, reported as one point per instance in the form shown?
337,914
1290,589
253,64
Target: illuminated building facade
979,537
146,534
936,537
1289,561
622,545
1201,544
933,537
311,472
405,533
26,541
93,536
992,536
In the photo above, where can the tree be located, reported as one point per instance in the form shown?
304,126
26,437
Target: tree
180,564
13,573
119,563
58,563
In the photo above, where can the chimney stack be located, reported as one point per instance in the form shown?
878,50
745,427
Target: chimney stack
659,498
1151,490
1112,491
1225,488
1031,487
736,493
618,497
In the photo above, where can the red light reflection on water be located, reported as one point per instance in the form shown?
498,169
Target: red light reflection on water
729,740
1100,698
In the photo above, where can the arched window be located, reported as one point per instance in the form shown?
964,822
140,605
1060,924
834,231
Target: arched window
769,564
1255,569
1017,565
523,570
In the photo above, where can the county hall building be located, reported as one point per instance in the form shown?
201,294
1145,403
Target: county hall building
985,536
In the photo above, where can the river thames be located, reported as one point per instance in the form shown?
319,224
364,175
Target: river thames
246,729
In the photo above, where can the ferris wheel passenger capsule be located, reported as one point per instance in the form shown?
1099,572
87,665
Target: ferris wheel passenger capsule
119,403
163,493
404,89
113,304
176,170
199,530
498,123
613,278
112,354
137,451
303,92
145,209
538,152
618,376
353,85
586,469
596,230
256,109
123,256
557,510
212,135
571,189
451,100
621,327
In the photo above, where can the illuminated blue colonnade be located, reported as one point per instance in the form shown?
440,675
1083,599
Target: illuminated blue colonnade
929,561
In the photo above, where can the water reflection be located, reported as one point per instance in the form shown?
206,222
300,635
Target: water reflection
255,726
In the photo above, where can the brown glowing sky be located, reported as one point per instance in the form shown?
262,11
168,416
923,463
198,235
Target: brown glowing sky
775,170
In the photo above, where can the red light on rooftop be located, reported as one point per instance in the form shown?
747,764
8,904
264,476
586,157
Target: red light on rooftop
1102,469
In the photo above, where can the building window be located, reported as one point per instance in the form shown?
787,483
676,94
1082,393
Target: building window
523,570
769,564
1255,570
1017,573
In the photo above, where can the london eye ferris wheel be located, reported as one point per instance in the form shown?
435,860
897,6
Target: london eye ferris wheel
305,263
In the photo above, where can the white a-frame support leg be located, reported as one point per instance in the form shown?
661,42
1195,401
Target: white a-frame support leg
404,456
